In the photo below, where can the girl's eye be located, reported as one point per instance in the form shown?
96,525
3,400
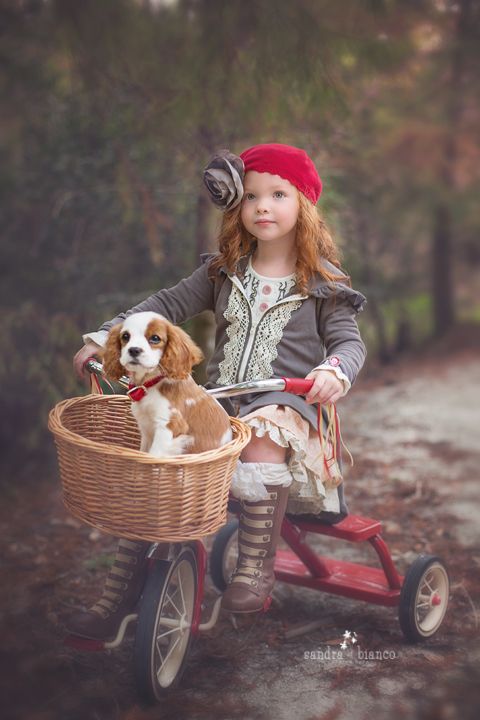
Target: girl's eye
279,194
125,337
249,196
154,339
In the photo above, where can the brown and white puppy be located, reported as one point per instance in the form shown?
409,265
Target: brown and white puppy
174,414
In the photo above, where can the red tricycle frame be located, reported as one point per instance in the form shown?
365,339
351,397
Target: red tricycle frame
167,619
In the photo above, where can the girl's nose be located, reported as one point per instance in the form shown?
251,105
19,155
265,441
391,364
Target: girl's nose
262,206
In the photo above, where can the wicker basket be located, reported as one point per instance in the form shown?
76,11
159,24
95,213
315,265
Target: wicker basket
108,483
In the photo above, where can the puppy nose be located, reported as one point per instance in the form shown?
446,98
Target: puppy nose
135,351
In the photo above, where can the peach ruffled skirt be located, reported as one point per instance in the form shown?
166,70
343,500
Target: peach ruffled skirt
313,488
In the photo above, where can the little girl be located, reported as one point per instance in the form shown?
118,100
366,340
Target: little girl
282,308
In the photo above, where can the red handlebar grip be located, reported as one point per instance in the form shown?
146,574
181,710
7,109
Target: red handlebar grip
297,386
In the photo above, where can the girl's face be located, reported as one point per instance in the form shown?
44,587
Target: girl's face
269,207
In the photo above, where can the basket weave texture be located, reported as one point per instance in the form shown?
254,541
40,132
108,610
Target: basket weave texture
108,483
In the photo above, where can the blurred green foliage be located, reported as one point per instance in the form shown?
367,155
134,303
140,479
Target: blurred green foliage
110,110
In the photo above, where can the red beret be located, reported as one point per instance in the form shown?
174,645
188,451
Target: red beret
291,163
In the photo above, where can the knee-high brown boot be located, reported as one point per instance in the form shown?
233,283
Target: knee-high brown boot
122,590
259,532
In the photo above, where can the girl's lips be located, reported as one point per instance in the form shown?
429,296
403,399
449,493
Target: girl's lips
263,222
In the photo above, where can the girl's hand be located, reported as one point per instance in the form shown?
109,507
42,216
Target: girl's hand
86,352
327,388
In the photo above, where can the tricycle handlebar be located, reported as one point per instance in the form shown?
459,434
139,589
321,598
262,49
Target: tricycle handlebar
296,386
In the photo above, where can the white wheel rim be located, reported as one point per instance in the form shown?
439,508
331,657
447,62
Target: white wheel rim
230,557
431,599
173,627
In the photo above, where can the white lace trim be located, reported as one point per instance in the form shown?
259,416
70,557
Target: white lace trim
237,314
264,351
249,479
308,492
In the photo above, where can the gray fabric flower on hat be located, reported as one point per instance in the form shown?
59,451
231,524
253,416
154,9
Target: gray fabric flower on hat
223,178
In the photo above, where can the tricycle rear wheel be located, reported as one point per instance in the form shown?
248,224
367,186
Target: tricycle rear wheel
423,598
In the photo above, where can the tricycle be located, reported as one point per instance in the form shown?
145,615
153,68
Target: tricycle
168,614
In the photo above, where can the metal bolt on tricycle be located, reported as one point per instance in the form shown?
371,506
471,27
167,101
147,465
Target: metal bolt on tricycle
168,614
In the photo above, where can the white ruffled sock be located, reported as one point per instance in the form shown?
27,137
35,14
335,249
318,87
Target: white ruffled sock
249,479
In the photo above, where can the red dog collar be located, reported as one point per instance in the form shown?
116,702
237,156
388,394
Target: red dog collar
137,392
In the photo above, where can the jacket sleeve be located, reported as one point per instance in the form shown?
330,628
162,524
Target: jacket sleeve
337,326
179,303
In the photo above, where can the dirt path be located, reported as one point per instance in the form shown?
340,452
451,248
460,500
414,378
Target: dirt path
416,450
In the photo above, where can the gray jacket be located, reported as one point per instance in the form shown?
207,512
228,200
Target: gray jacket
297,334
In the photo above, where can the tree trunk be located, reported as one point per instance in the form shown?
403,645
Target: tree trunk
364,234
442,275
442,241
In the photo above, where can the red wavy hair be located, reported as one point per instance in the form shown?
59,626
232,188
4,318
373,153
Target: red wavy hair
313,243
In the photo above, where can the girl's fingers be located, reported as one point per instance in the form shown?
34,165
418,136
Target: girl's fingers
333,398
321,393
325,389
78,365
315,390
320,397
80,358
328,392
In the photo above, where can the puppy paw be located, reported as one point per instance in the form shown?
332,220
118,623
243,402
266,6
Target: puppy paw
182,444
177,446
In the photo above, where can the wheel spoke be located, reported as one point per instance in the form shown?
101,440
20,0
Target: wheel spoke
179,578
172,648
167,632
157,645
170,600
428,584
177,588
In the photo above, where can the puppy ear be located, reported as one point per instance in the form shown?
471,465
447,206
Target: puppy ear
111,354
180,354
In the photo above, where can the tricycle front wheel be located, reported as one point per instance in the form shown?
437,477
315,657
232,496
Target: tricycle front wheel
423,598
164,627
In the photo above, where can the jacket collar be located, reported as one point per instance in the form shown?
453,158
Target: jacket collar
319,287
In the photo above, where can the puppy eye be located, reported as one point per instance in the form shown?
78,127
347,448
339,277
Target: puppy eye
125,336
154,339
